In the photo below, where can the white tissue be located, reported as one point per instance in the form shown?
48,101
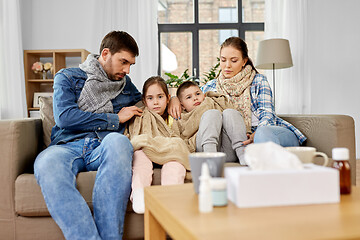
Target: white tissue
270,156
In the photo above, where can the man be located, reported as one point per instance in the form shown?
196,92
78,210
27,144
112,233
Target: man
90,119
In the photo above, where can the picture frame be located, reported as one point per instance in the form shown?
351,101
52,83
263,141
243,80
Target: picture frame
37,95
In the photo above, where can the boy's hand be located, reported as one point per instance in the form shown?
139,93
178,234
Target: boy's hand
250,139
174,108
126,113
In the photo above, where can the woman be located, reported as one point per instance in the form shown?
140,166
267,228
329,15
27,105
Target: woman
251,93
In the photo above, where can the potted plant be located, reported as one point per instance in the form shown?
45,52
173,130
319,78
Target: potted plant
212,73
174,81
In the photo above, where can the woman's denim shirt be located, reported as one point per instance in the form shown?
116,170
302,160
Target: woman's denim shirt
73,123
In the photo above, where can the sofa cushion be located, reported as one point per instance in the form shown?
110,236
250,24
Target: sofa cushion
29,200
47,117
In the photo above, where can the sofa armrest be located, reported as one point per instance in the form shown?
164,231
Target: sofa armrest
324,132
19,146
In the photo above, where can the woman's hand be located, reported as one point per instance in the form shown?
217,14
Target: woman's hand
174,108
250,139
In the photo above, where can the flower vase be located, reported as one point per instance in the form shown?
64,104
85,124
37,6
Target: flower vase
172,91
44,75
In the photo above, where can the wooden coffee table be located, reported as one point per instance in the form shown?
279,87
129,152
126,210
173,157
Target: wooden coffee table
174,210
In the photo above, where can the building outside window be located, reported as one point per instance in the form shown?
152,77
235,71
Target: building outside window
191,31
227,15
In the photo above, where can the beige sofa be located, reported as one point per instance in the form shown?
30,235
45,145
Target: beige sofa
23,213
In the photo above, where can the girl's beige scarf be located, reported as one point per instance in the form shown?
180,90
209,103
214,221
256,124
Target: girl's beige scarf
237,89
188,125
151,134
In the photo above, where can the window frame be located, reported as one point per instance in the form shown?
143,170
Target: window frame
195,28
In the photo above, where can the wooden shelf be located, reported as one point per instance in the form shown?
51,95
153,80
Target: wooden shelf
41,80
60,58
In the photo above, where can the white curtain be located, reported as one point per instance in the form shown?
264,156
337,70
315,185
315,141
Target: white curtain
139,19
12,85
288,19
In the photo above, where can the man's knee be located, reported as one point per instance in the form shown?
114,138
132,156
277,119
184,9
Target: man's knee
44,161
117,141
118,149
111,137
49,164
40,164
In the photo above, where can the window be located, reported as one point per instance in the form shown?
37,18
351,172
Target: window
191,31
227,15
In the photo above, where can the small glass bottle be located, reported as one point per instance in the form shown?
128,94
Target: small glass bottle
341,162
218,190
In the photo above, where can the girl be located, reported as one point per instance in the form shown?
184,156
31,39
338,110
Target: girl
154,141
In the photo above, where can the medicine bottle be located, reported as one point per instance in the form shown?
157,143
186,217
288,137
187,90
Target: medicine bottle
205,198
341,162
218,190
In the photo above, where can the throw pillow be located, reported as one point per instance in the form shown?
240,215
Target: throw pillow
47,117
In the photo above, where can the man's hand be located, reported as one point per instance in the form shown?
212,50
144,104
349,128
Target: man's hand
126,113
174,108
250,139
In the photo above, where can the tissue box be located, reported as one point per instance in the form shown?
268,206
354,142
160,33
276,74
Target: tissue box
312,185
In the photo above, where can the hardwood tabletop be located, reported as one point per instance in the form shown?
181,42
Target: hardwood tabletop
174,210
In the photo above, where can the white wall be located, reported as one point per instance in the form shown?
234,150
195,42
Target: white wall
334,50
50,25
69,24
333,43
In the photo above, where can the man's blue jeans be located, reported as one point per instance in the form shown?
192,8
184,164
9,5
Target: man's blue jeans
56,169
277,134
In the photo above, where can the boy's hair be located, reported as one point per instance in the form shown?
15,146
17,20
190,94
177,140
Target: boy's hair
117,41
184,86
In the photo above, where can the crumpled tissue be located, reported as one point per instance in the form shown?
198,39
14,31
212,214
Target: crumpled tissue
270,156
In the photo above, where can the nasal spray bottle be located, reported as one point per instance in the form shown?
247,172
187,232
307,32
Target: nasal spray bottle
205,198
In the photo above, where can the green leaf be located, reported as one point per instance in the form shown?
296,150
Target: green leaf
185,75
212,73
171,75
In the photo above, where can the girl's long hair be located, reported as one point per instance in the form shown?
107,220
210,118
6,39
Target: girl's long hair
161,82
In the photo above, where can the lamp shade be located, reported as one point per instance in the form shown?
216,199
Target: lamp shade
274,54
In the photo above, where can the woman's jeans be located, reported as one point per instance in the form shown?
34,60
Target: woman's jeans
277,134
56,169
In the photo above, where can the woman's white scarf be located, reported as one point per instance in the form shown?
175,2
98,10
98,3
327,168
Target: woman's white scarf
237,89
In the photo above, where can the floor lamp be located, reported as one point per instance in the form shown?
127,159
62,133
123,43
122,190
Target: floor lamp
274,54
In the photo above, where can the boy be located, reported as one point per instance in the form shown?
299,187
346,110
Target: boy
209,123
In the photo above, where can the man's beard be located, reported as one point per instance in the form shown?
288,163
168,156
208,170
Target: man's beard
113,77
